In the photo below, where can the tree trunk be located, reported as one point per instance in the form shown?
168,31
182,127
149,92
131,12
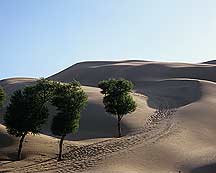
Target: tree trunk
119,126
60,148
20,146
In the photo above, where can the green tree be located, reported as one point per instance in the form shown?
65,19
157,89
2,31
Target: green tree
27,111
44,89
69,99
1,96
117,99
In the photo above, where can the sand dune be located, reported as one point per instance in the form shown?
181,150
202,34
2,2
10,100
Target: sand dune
12,84
189,146
90,73
175,83
184,141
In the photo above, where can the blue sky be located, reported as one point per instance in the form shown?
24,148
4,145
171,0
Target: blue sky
41,37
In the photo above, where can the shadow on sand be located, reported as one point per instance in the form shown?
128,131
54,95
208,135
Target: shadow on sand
211,168
171,93
6,140
94,117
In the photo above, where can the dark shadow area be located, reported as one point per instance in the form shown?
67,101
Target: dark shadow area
94,123
171,93
164,71
191,72
29,165
6,140
203,73
5,171
211,168
11,156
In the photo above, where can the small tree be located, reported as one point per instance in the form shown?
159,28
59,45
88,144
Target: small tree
1,96
27,111
24,115
69,99
117,99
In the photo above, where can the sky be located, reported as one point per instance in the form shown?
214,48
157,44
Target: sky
41,37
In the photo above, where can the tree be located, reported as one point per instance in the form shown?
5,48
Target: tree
1,96
69,99
44,89
27,111
117,98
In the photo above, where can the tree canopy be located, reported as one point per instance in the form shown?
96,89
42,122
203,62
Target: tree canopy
115,87
25,113
27,110
69,99
117,99
120,104
1,96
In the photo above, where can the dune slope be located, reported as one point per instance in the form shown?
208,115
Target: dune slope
183,142
90,73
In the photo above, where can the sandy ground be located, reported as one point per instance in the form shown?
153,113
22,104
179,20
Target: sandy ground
181,139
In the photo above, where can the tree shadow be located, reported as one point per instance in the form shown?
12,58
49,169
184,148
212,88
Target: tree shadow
10,157
7,140
29,165
210,168
94,123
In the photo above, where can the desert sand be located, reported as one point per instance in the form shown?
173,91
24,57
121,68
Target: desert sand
179,139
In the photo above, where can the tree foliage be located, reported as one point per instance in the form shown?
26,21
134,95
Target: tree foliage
1,96
69,99
27,110
119,105
63,124
117,99
45,89
25,113
115,87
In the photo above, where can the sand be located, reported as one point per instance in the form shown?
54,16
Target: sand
182,139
